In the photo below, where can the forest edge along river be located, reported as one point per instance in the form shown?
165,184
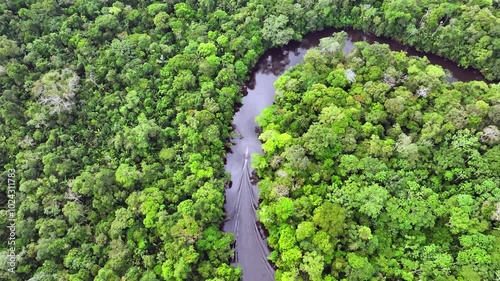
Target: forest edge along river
251,249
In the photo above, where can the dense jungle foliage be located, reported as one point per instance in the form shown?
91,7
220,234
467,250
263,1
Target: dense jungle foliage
115,116
377,168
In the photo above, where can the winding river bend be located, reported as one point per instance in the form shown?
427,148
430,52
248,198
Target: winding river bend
251,249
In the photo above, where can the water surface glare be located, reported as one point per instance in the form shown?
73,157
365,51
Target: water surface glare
251,249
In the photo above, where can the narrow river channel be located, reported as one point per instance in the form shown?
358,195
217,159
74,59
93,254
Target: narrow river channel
251,249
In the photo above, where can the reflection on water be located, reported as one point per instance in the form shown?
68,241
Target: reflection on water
251,248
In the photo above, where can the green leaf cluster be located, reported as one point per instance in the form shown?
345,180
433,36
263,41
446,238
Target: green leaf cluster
380,178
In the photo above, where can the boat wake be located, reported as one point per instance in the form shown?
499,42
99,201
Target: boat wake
251,250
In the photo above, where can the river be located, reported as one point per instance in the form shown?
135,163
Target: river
251,249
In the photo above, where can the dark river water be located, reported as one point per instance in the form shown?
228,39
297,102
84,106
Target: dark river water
251,249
